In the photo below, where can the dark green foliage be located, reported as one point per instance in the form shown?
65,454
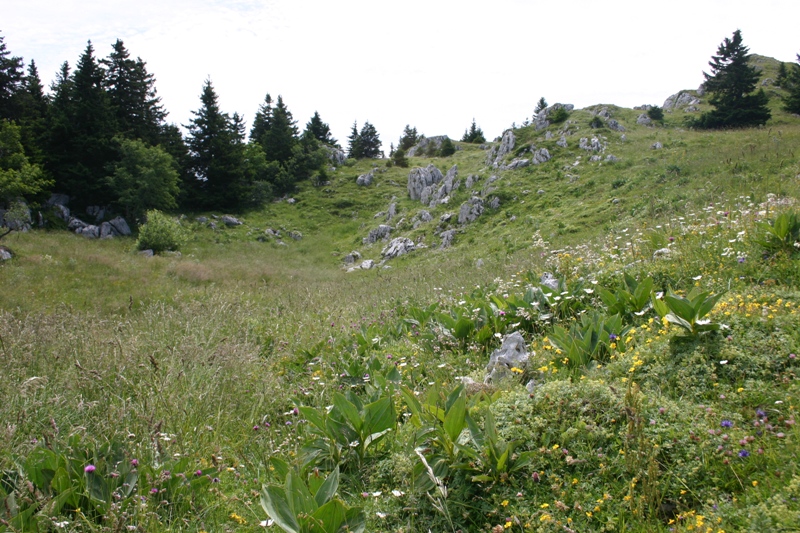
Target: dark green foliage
399,158
558,115
783,75
280,139
791,102
731,84
473,135
656,113
320,130
160,233
10,81
364,144
541,105
262,121
81,128
409,138
216,146
132,95
18,177
596,122
144,178
448,148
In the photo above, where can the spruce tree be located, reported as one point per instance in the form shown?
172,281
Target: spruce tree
783,75
216,155
370,142
262,121
34,107
541,105
474,134
11,74
132,95
408,139
354,148
731,84
791,101
320,130
448,148
280,139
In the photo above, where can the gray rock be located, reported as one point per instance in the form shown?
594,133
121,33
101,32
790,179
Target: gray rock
623,137
644,120
272,233
515,164
447,238
614,125
381,233
448,185
106,231
445,218
494,203
593,145
335,155
513,353
351,258
422,147
679,100
507,143
470,211
212,225
657,146
562,142
472,179
421,181
291,201
595,159
549,281
424,216
61,211
691,109
367,264
58,199
90,232
479,263
397,247
97,212
540,191
202,220
230,221
146,253
611,158
120,227
548,135
75,223
5,254
542,120
541,156
701,90
604,113
392,212
365,180
295,235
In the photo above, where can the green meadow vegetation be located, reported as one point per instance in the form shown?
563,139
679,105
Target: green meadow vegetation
246,383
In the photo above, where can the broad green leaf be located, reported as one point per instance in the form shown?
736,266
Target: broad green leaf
275,504
708,304
483,478
680,307
483,334
130,483
411,400
455,418
313,416
375,437
281,468
490,430
642,293
378,416
680,322
325,492
98,488
298,495
348,410
474,431
328,518
523,460
354,520
659,306
453,396
463,328
502,460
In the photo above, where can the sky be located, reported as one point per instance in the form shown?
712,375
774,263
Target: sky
432,64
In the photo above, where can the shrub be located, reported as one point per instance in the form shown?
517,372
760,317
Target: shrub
596,122
656,113
399,158
160,233
558,115
448,148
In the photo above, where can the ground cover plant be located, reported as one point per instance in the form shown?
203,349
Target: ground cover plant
248,382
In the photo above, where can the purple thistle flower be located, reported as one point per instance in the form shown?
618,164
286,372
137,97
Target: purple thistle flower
134,462
255,428
761,413
288,422
726,424
744,453
741,260
215,480
89,469
154,491
198,473
612,337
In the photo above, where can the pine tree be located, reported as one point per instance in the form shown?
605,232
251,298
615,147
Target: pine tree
132,95
280,139
11,69
320,130
81,130
541,105
791,102
216,160
262,121
408,139
34,107
474,134
370,142
783,75
731,85
448,148
354,148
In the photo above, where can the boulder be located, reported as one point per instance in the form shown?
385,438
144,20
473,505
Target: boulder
397,247
662,253
75,223
146,253
593,145
58,199
230,221
516,163
421,181
470,211
595,159
494,203
381,233
472,179
541,156
611,158
425,216
106,231
89,231
336,156
99,213
448,185
507,143
61,211
447,238
5,253
425,144
392,212
657,146
120,227
365,180
614,125
367,264
562,142
644,120
295,235
202,220
679,100
351,258
513,353
549,281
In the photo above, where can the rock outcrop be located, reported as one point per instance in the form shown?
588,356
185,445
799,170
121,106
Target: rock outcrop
512,354
380,233
506,146
397,247
680,100
365,180
426,145
421,180
470,211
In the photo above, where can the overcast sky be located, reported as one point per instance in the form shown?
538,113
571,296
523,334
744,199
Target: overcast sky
433,64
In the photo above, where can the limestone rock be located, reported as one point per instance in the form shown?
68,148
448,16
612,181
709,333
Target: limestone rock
593,145
611,158
365,180
614,125
549,281
447,238
424,216
397,247
5,254
662,253
513,353
541,156
470,211
335,156
516,163
562,142
58,199
61,211
421,181
472,179
448,185
351,258
367,264
295,235
106,231
99,213
679,100
202,220
230,221
146,253
425,144
494,203
507,143
89,231
657,146
644,120
120,227
75,223
378,234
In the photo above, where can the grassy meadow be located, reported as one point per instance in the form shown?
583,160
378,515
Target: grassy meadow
219,388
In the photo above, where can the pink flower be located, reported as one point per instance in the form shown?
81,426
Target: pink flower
89,469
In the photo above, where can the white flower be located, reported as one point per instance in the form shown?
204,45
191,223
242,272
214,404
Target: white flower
724,362
397,493
381,515
696,278
266,523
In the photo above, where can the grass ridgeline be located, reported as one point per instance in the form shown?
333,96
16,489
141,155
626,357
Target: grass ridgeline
187,368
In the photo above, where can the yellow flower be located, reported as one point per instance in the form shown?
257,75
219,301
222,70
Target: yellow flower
545,517
555,446
755,483
507,525
589,514
505,503
544,506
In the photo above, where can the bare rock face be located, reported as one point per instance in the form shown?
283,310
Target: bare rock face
614,125
5,253
644,120
421,180
426,144
496,154
593,145
542,118
381,233
397,247
335,156
513,353
562,142
449,184
470,211
447,238
541,156
680,100
365,180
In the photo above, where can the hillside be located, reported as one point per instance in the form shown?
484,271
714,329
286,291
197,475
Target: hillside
609,344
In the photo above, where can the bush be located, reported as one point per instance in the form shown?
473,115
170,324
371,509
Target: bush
558,115
596,122
656,113
399,158
160,233
448,148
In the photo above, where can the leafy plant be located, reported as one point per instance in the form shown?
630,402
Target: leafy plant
688,312
632,299
587,340
297,507
496,458
160,233
781,234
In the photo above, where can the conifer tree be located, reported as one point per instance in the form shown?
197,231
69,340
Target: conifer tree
132,95
280,139
474,134
791,102
354,148
731,84
320,130
369,141
216,150
408,139
34,107
448,148
541,105
11,70
783,74
262,121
